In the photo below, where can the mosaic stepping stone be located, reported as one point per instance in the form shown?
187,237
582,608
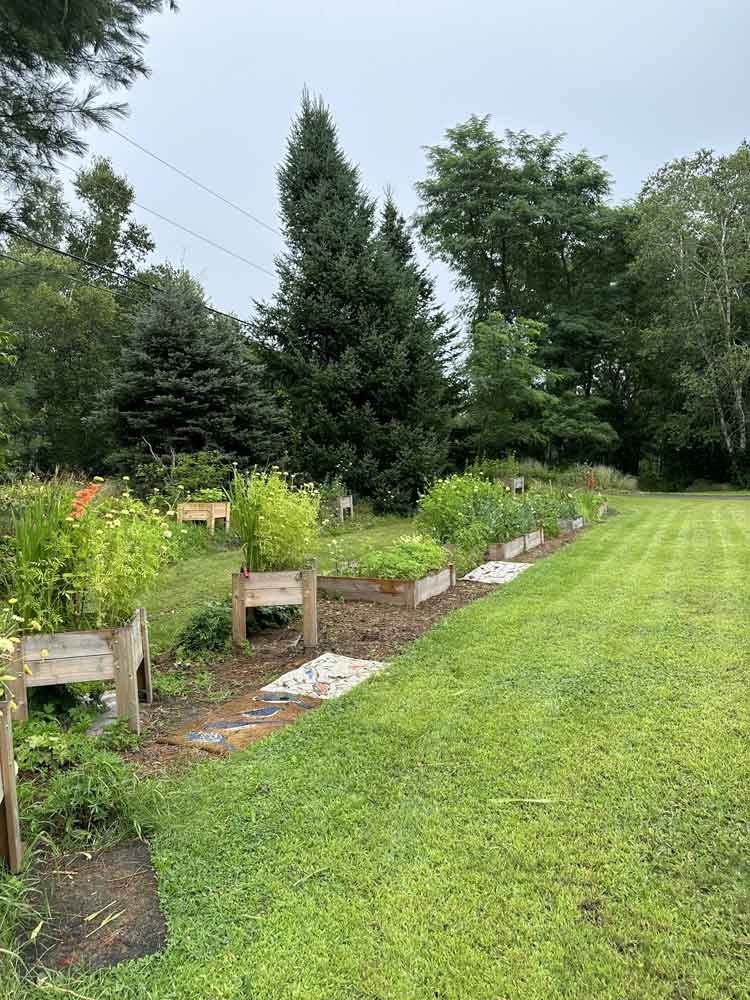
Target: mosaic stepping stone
327,676
279,698
496,572
214,739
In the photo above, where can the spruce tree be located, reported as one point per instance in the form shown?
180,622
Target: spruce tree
187,381
352,336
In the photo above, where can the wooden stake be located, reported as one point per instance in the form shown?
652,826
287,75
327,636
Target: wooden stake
239,620
10,830
310,606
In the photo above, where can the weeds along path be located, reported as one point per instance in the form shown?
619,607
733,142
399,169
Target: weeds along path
544,798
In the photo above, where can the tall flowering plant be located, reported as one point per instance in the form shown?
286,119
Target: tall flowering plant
81,559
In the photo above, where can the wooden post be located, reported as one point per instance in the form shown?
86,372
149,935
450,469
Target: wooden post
452,569
239,619
310,606
10,831
228,518
126,683
211,521
145,669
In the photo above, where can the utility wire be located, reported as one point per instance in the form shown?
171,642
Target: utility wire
192,180
111,270
191,232
63,275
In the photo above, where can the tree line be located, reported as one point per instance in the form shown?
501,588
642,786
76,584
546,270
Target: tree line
587,330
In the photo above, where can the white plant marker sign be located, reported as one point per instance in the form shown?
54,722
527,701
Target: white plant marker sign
327,676
496,572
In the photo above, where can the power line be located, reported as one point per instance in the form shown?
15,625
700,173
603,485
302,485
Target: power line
192,232
192,180
33,265
111,270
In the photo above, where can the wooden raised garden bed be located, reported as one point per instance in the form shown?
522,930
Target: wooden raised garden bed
119,654
209,511
403,593
11,849
275,589
571,523
516,546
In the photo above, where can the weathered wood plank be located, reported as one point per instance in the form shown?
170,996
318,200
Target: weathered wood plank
310,608
10,830
17,686
58,645
506,550
533,539
431,586
355,588
71,670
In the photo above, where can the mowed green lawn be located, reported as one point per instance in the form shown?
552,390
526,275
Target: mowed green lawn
548,796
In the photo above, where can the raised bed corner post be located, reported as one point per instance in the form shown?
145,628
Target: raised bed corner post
310,606
11,848
17,687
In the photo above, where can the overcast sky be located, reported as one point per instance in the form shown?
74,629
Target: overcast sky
639,81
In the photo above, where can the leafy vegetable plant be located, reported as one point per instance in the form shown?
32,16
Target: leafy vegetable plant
409,558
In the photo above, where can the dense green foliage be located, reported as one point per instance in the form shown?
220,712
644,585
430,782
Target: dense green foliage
186,382
615,336
353,336
76,559
408,558
45,48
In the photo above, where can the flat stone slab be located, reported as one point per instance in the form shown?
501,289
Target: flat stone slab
327,676
496,572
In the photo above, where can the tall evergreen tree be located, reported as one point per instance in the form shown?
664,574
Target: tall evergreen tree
187,381
353,334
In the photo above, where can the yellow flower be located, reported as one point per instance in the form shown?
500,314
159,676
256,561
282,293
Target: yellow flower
167,534
12,600
44,653
6,644
36,625
98,479
126,479
108,515
27,669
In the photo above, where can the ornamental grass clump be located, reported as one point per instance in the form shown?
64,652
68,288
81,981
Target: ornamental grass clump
409,558
277,522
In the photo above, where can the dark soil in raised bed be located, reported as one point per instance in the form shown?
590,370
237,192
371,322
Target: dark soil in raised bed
97,911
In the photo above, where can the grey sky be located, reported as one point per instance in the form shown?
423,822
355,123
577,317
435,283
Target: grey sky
638,81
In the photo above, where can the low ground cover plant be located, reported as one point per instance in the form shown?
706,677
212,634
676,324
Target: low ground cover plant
409,558
73,788
277,522
208,631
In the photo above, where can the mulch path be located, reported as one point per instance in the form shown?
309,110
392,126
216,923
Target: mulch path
97,911
357,628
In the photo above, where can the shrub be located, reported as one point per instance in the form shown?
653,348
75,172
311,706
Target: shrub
409,558
277,523
208,630
80,559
